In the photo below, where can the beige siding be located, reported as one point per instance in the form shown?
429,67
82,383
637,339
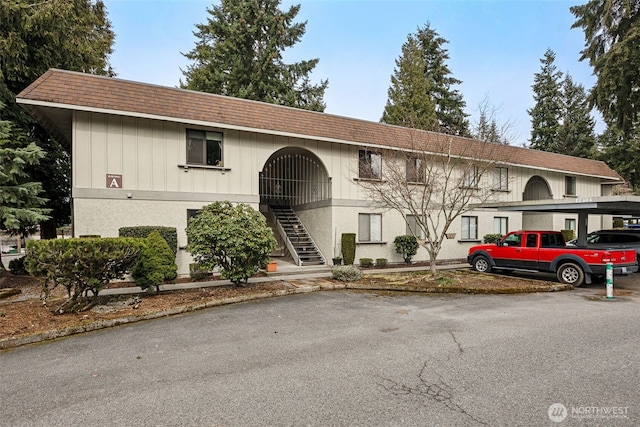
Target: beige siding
158,191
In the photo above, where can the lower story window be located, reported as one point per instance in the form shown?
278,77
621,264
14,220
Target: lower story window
469,228
369,227
570,224
413,228
500,224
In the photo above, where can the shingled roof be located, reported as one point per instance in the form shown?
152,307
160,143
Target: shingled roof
59,90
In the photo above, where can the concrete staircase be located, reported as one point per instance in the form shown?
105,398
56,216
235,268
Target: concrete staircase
298,241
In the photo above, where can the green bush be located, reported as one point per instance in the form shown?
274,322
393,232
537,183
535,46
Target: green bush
346,273
381,262
156,263
366,262
234,238
407,246
81,266
170,234
348,248
492,238
568,235
196,272
16,266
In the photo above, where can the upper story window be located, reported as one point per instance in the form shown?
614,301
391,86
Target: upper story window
204,148
470,177
415,170
501,179
369,164
569,185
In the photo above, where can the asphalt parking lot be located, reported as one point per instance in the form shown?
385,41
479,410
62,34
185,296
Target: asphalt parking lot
344,358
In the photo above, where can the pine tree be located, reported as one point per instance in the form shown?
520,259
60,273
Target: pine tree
20,200
409,103
546,114
612,46
239,53
576,136
449,102
622,152
35,36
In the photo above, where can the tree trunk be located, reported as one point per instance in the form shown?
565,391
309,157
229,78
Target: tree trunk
48,229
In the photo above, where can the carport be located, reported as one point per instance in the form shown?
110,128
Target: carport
583,206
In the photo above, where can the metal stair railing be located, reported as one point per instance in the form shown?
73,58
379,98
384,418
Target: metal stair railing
279,214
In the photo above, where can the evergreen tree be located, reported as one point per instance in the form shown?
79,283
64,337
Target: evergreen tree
612,46
35,36
239,53
576,135
546,114
622,152
20,198
449,102
409,102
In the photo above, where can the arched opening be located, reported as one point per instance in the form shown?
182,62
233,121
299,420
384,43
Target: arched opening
294,176
537,188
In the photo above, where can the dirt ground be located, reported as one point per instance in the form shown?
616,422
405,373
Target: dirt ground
25,314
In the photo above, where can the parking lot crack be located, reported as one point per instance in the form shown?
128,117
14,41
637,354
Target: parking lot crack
460,349
428,389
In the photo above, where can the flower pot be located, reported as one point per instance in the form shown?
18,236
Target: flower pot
337,261
272,266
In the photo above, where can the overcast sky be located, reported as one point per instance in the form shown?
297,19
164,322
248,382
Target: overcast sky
495,47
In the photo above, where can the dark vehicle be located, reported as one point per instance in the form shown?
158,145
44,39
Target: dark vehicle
546,251
626,238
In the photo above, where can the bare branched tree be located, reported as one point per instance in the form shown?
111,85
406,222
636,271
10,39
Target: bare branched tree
434,179
489,128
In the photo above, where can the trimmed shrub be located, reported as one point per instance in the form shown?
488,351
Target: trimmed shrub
170,234
348,248
234,238
81,266
568,235
16,266
156,263
381,262
492,238
407,246
366,262
346,273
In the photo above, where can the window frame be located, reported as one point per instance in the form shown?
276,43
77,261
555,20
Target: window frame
369,223
470,177
211,141
570,224
366,164
415,230
415,171
501,179
471,225
570,186
500,220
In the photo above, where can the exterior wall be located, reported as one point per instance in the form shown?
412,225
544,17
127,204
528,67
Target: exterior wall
157,188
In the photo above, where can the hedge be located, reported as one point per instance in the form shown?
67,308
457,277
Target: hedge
169,234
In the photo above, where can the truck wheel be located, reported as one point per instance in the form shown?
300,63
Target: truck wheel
481,264
571,274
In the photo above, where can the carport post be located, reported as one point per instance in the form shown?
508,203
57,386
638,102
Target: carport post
609,280
582,227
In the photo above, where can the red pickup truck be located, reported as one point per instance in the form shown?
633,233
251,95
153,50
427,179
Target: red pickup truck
546,251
